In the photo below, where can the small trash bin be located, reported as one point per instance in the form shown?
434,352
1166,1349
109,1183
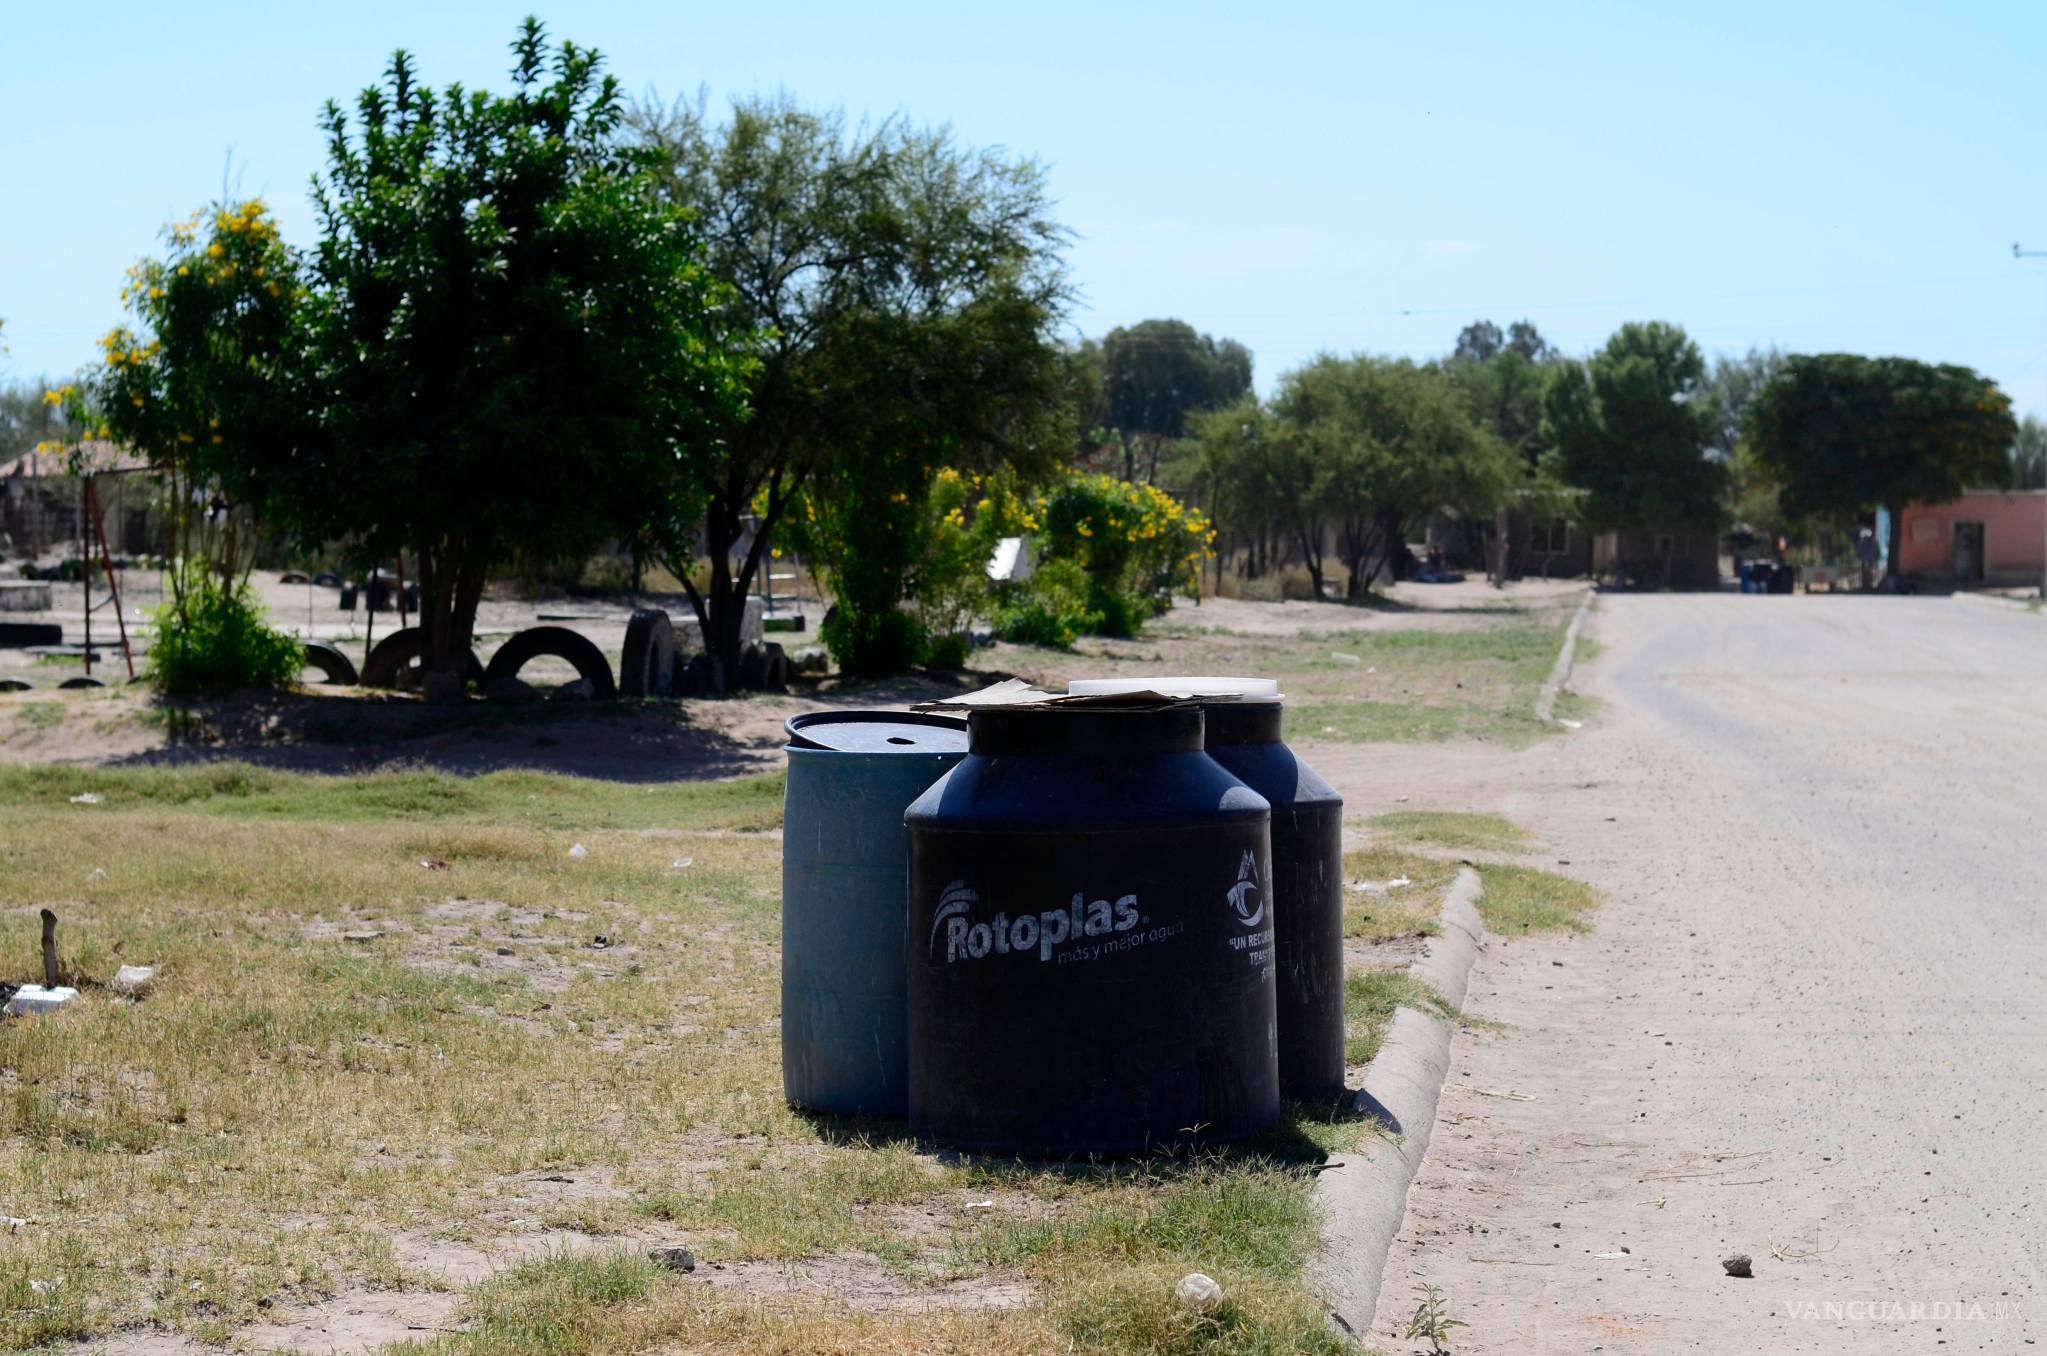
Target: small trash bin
844,1023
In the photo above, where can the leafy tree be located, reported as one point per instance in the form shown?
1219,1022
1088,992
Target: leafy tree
1390,443
2029,455
204,384
907,287
510,339
1499,378
1523,338
1157,372
1478,342
1734,383
1228,449
1845,434
1630,428
1481,341
31,413
1085,395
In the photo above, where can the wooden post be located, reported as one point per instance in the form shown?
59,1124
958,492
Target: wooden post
99,527
49,949
370,627
85,572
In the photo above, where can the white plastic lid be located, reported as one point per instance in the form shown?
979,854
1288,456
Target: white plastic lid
1250,689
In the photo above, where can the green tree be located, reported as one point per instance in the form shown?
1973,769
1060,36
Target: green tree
1845,434
509,337
2029,455
1230,450
1736,382
30,416
1157,372
1630,427
908,288
1503,394
205,384
1390,442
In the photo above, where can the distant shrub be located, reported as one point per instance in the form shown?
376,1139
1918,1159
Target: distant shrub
948,651
866,643
211,637
1137,543
1050,608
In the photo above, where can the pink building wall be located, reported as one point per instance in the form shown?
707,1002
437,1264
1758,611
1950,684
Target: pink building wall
2014,535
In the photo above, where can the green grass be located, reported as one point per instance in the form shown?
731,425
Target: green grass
1574,705
1462,830
1520,899
1369,999
1406,912
288,1101
537,799
1474,678
40,715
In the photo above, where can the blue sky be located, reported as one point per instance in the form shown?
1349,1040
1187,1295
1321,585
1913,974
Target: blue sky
1297,176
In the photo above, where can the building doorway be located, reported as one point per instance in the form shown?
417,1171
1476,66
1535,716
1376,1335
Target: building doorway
1968,553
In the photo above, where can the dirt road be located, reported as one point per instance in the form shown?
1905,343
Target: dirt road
1811,1023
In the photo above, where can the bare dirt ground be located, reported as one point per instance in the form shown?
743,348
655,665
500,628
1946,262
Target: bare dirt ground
336,730
1808,1025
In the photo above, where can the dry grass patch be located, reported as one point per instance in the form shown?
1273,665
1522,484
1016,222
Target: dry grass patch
403,1043
1468,675
1454,829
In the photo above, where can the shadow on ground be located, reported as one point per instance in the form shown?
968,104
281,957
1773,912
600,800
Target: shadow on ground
347,731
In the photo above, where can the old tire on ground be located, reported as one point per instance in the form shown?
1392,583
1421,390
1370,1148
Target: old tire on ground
647,668
562,643
81,681
401,650
16,685
327,579
334,666
764,668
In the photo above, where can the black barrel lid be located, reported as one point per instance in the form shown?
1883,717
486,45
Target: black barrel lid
877,732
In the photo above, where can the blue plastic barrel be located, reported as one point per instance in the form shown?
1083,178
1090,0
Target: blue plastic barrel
845,1022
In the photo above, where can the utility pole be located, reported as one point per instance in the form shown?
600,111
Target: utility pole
2018,253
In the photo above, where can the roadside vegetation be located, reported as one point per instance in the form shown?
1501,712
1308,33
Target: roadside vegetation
399,1021
1394,886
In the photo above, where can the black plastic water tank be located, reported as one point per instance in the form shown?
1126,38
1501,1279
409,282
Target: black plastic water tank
1091,944
1244,718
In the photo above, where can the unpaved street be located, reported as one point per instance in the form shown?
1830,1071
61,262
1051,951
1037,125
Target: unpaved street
1811,1022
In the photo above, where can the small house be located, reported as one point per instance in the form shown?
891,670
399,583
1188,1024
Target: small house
1994,537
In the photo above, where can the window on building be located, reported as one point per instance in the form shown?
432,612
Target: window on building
1552,536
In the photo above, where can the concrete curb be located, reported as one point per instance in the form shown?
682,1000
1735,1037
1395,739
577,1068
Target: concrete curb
1363,1195
1560,672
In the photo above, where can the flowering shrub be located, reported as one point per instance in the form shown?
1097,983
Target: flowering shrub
1137,543
964,517
1050,608
203,379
